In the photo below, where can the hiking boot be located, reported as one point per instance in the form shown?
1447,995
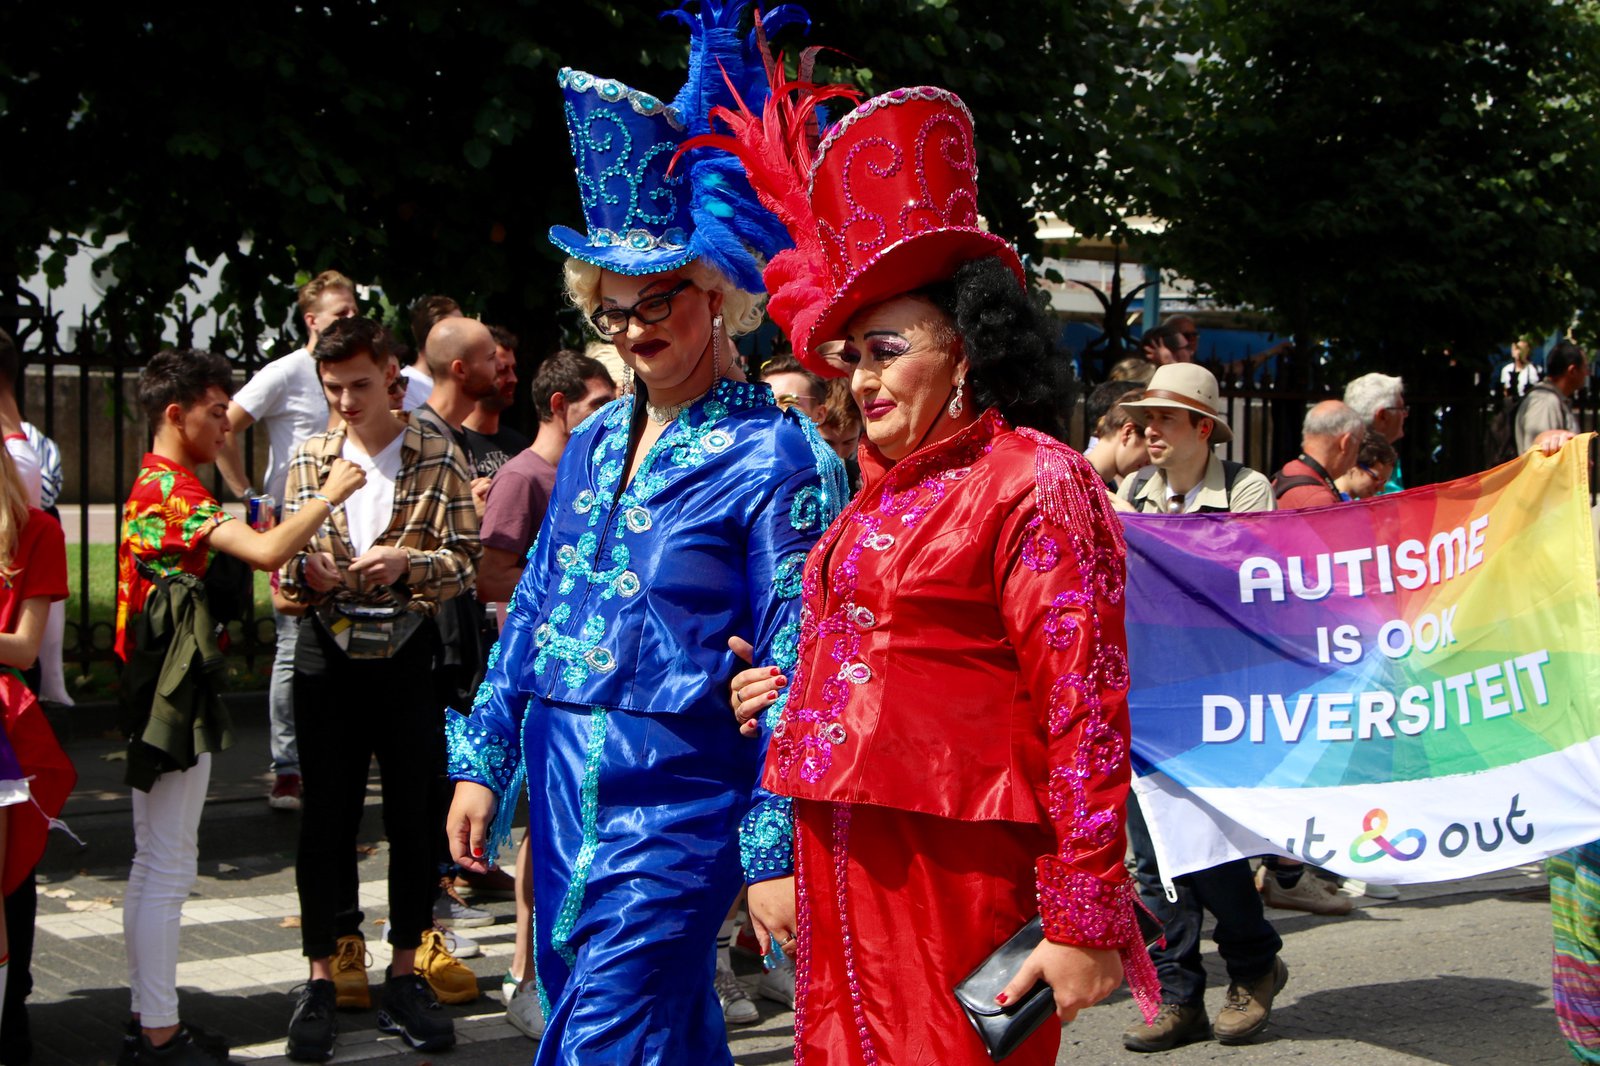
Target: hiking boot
1175,1025
411,1012
1311,893
350,961
452,912
458,944
736,1006
285,794
312,1027
1249,1006
523,1012
450,980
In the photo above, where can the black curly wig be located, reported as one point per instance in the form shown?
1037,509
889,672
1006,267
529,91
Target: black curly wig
1010,343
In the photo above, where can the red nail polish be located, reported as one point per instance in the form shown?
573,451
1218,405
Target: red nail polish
477,853
775,671
1001,998
771,696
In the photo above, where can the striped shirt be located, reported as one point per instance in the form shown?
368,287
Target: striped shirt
434,520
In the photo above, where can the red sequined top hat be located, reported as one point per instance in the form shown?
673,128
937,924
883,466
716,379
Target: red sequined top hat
887,203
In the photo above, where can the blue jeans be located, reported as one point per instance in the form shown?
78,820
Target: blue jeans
280,696
1245,939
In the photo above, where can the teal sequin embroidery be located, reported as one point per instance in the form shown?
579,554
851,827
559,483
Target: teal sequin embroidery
787,574
766,839
589,805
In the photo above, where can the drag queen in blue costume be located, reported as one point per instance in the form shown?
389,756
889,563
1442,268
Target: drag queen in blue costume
681,516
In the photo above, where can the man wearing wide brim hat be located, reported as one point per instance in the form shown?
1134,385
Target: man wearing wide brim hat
1181,413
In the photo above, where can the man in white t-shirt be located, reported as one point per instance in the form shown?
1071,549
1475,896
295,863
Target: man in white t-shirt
285,398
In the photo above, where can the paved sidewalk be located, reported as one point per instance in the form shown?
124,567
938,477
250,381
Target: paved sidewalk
1455,974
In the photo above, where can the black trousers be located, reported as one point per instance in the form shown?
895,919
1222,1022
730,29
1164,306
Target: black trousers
16,1035
347,711
1245,939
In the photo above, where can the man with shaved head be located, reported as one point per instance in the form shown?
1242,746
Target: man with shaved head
461,355
1330,440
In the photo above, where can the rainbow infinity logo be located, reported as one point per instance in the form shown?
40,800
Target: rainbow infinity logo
1374,824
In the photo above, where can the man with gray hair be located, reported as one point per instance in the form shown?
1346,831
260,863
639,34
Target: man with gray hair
1380,400
1330,439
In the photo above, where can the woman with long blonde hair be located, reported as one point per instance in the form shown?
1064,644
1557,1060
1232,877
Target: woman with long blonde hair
33,575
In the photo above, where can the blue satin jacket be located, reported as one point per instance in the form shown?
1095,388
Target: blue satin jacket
628,598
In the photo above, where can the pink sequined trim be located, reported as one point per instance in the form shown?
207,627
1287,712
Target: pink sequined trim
841,855
802,954
1082,910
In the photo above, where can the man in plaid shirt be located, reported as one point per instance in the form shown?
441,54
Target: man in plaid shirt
373,577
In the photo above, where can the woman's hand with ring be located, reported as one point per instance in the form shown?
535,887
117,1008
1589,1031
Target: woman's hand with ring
752,691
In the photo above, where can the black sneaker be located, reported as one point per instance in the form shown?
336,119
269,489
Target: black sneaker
313,1026
181,1050
213,1044
411,1011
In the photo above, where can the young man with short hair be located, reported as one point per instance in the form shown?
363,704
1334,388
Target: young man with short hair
171,526
373,578
285,399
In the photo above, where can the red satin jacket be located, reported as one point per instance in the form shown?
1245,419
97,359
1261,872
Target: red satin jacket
962,654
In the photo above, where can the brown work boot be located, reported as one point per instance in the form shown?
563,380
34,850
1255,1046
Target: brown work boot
1249,1006
1174,1025
351,991
1311,893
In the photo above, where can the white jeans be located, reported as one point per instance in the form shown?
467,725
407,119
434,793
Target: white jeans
166,836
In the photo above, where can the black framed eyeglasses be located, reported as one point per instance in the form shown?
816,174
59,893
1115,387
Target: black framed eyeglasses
610,321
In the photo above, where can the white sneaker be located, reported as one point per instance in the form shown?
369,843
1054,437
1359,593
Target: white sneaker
462,947
1354,886
523,1011
508,988
736,1006
778,985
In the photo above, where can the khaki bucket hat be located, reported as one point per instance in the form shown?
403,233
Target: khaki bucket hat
1188,387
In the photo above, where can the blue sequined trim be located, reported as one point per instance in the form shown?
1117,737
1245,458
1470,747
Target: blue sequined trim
474,753
589,804
786,577
766,839
611,90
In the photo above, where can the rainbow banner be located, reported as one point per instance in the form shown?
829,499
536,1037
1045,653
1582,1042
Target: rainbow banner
1400,690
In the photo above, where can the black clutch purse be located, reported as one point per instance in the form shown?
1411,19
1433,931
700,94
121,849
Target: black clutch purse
1003,1028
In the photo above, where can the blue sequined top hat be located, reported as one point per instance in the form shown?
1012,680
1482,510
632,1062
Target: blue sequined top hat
641,219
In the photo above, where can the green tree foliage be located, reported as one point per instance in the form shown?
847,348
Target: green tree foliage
1401,178
420,143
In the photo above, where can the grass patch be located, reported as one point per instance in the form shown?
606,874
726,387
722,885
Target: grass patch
98,588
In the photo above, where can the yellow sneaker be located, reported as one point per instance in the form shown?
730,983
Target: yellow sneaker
350,988
450,980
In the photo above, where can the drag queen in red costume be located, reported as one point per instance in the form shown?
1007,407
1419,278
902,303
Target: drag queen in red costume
955,737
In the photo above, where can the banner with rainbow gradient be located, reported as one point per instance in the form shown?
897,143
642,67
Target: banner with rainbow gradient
1401,689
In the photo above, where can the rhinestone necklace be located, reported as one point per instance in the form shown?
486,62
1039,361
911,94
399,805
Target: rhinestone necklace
661,414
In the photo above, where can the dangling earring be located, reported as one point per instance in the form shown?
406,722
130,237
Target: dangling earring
716,348
956,405
627,380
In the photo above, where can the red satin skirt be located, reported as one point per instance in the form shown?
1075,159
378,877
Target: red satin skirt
894,909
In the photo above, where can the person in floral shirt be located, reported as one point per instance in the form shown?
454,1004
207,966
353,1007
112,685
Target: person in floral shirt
172,524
